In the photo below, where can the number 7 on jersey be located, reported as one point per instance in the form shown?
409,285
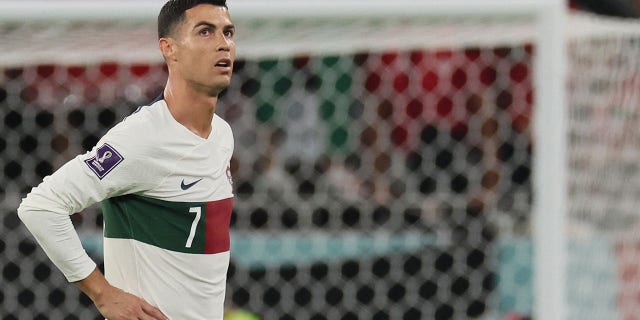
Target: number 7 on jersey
194,225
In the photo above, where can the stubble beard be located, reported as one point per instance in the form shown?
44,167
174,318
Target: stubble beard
213,89
216,90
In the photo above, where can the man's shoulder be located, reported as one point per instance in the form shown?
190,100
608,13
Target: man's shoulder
135,132
146,115
217,121
141,123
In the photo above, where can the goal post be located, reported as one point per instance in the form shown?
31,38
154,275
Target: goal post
147,9
550,163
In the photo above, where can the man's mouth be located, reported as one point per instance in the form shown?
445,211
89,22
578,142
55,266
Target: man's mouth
224,63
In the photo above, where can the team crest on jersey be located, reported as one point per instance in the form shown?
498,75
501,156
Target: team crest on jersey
104,161
229,175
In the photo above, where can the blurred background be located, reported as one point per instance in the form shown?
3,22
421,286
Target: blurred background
382,166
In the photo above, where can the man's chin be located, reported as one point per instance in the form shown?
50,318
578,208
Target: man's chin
222,92
219,89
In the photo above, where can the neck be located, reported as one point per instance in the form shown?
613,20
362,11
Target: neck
191,108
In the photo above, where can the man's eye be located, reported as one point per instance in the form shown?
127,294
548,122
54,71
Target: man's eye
204,32
229,33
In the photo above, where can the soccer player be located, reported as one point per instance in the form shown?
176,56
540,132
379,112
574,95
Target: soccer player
164,181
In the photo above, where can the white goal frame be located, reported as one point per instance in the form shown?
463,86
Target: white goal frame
550,115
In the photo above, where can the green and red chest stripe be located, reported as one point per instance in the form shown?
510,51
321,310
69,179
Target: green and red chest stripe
188,227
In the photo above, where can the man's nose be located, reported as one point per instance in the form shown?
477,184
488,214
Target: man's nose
225,43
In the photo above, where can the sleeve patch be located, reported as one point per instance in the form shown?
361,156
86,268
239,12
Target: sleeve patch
104,161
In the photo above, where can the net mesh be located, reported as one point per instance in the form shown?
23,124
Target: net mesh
604,88
385,180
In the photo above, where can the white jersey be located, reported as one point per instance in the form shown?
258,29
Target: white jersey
166,197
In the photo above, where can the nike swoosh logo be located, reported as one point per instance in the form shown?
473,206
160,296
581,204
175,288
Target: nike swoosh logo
184,186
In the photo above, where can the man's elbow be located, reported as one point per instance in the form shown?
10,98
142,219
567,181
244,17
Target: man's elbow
35,207
24,213
29,212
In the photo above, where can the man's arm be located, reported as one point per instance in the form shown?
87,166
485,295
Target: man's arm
56,235
114,303
46,213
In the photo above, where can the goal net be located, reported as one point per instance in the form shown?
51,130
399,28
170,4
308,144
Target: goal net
603,152
384,164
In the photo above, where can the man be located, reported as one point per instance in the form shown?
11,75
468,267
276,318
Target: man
164,181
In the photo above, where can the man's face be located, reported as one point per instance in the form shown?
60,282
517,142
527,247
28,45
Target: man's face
205,48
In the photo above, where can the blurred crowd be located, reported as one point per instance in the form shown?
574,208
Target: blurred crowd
616,8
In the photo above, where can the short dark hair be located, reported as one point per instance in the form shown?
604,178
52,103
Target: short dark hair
172,13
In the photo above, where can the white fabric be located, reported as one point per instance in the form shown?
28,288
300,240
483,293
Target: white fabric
158,155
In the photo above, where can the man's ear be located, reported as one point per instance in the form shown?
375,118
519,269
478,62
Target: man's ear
168,48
